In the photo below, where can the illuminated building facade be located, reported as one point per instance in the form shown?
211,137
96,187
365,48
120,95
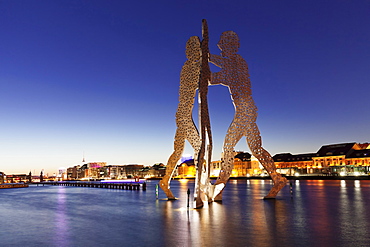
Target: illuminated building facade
95,169
186,169
72,172
335,159
289,164
244,165
100,170
16,178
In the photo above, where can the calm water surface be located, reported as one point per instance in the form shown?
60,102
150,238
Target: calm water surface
320,213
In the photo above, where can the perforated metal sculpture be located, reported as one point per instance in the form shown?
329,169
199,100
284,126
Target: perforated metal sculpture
186,129
234,74
205,153
195,74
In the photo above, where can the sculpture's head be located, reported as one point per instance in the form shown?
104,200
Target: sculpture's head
229,43
193,48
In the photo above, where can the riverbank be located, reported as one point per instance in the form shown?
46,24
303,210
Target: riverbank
364,177
301,177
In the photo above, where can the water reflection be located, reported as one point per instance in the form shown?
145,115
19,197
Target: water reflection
357,184
320,213
61,219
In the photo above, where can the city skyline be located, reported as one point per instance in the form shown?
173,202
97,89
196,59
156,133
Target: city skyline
101,79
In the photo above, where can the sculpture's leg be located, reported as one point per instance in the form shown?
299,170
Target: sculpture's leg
209,187
255,145
200,196
204,187
202,161
165,186
234,134
279,183
202,182
225,173
171,164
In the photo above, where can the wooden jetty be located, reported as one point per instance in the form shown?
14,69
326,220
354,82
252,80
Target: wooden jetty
98,184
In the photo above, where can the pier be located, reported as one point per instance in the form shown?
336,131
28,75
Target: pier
13,185
99,184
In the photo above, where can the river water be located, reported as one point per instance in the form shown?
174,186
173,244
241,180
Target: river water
318,213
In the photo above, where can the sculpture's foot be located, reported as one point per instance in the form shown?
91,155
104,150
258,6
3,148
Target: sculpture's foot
217,192
198,203
278,185
164,186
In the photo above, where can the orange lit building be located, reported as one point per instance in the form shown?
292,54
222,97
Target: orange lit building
335,159
215,168
358,161
186,169
244,165
289,164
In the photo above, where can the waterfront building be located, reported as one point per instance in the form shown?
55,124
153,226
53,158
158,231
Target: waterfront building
344,158
115,171
16,178
94,169
186,169
215,168
239,164
333,155
73,172
100,170
158,170
359,159
289,164
334,159
244,165
133,170
123,171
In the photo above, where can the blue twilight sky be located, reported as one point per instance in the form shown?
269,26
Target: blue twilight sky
102,77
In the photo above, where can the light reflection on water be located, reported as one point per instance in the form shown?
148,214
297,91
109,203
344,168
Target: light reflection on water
320,213
61,218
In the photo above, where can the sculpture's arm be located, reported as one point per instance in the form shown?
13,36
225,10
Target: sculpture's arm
216,76
216,60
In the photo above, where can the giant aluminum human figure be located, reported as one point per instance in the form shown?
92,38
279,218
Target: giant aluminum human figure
186,128
195,74
234,74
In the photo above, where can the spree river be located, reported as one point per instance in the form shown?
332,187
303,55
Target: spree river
318,213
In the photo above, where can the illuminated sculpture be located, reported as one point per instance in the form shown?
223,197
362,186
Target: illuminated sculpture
202,183
234,74
186,129
195,74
